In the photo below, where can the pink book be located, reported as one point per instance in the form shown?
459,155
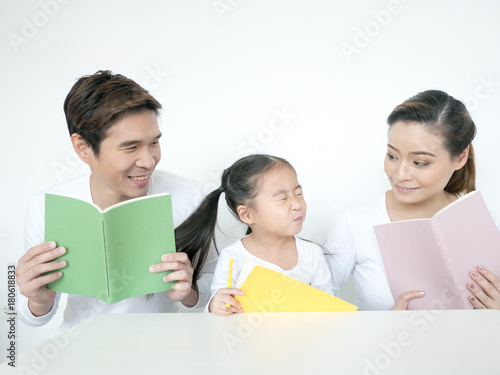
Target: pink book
436,255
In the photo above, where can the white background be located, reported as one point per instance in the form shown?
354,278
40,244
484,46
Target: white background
222,70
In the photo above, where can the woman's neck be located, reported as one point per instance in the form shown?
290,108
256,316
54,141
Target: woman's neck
398,210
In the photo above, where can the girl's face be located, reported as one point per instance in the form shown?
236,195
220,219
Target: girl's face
279,208
417,165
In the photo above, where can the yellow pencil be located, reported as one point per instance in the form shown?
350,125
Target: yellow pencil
229,281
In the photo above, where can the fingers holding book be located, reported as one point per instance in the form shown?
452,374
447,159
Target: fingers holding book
485,289
181,272
33,275
404,299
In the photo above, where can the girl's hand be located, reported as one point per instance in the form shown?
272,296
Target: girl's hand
402,302
223,297
487,296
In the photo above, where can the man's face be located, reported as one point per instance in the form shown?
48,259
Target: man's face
127,158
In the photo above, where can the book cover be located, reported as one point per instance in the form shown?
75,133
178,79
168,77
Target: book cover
109,252
437,254
267,290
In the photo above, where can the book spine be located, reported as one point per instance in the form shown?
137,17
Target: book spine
450,270
105,259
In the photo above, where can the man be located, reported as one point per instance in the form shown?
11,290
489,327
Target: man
114,129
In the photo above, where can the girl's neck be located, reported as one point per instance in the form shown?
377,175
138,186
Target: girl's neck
279,250
421,210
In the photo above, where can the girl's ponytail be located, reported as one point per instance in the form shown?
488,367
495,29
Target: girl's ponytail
240,183
195,235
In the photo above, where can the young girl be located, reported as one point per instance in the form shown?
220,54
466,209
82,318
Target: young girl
429,164
261,191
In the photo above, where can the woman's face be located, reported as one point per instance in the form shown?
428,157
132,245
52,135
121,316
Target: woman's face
417,165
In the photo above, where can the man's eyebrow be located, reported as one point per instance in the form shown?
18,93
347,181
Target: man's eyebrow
133,142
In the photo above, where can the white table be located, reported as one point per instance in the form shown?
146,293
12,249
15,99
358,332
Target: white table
389,342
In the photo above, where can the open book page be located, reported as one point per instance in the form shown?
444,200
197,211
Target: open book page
267,290
460,201
137,235
245,271
414,260
436,255
470,238
77,225
109,252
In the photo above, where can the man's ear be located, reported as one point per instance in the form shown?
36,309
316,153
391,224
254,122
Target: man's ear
245,214
82,148
462,158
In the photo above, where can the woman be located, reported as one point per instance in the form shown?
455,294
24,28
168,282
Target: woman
429,164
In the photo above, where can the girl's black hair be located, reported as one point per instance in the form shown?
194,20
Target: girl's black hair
240,183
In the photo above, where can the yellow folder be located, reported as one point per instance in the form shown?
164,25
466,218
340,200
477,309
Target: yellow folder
270,291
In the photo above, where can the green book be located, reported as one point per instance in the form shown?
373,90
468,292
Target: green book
109,252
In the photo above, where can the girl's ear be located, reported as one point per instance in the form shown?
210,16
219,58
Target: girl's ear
244,214
462,158
82,148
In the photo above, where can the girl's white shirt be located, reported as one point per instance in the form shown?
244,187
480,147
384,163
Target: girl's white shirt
311,267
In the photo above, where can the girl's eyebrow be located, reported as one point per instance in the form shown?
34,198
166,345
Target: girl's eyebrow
413,152
283,191
279,192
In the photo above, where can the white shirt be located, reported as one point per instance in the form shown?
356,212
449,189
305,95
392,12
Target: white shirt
185,197
311,267
352,247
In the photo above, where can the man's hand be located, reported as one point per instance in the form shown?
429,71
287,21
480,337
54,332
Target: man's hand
182,273
31,276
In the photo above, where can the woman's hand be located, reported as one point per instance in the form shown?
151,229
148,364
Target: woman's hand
487,296
405,298
223,297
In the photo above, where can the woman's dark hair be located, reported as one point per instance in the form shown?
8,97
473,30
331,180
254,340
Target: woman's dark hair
98,101
448,118
240,183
